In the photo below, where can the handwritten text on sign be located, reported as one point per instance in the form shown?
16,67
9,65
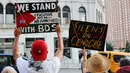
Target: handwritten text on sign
88,35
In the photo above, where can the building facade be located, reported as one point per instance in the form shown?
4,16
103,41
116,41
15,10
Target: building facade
85,10
118,17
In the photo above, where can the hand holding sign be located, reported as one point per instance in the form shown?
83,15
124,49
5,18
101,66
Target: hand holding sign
17,32
58,29
84,52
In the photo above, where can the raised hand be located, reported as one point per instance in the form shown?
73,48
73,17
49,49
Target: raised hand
58,29
17,32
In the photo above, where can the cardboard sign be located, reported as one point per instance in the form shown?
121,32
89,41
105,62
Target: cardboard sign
34,16
86,34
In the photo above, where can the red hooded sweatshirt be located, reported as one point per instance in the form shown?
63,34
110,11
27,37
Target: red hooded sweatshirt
124,69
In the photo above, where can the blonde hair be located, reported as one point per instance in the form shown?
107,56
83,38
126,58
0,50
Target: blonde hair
8,69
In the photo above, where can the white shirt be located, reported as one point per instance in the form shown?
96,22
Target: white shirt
47,66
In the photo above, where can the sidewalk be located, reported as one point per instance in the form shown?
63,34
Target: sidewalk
70,70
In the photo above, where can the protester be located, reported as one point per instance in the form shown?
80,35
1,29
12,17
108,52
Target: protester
8,69
39,52
124,65
81,58
95,64
88,54
125,61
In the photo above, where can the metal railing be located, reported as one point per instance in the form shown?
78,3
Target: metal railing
69,63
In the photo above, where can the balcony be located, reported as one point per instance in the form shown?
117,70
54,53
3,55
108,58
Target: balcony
69,63
6,45
7,26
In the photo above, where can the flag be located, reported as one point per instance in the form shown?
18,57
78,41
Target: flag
24,19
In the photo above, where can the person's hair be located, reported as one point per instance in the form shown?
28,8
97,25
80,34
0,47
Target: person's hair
125,61
8,69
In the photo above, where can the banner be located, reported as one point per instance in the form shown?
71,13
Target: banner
34,16
87,35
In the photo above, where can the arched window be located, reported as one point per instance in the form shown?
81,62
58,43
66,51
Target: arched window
1,8
10,13
1,13
82,14
66,12
59,12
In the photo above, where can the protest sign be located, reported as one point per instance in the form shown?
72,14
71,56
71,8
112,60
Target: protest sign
37,17
87,34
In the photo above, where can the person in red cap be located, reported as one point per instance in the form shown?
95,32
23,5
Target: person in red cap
39,52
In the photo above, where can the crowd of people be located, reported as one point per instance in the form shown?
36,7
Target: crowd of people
94,64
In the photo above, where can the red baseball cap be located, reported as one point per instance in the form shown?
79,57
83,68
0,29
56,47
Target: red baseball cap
39,50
